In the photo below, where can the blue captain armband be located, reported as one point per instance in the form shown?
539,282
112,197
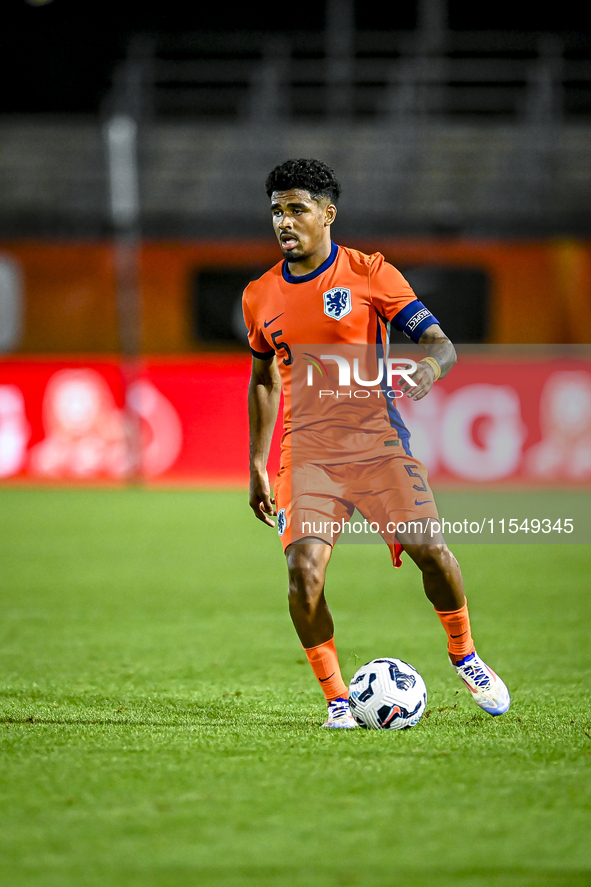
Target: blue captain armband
413,320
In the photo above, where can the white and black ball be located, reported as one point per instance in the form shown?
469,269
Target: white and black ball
387,694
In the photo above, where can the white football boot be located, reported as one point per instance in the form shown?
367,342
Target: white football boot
339,715
489,692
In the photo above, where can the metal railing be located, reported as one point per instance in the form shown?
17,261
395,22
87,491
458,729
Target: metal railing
509,76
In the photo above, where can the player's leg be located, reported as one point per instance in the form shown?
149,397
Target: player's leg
307,561
398,486
444,587
442,577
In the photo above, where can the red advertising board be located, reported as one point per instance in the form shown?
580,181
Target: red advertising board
513,419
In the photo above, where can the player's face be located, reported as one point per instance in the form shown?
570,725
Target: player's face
302,224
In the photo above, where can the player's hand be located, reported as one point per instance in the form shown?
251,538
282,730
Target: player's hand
260,499
423,377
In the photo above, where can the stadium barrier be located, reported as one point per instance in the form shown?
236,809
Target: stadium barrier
515,418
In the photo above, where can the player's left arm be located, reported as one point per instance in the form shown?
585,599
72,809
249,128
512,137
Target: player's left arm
439,359
395,301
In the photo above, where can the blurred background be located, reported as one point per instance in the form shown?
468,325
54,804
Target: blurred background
134,145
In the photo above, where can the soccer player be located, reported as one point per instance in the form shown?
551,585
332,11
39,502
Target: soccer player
350,454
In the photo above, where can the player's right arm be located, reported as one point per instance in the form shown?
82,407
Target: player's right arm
264,392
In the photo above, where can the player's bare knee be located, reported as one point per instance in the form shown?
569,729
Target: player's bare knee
308,562
306,577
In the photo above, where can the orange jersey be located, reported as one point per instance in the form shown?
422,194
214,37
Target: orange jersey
348,302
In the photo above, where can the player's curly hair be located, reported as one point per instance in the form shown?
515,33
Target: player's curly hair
311,175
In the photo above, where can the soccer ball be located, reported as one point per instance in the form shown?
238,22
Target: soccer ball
387,694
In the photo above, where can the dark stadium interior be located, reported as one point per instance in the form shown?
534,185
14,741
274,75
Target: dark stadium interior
519,83
445,122
59,58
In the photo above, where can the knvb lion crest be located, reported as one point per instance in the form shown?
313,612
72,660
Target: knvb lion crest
281,521
337,302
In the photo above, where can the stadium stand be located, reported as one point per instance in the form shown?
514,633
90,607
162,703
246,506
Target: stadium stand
431,130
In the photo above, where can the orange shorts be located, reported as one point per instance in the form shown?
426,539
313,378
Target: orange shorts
317,500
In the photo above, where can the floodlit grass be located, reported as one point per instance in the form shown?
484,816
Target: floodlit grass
159,723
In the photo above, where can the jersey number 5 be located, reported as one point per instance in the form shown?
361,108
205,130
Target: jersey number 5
278,345
412,473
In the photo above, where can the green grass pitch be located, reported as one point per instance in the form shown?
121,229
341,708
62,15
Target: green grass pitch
160,726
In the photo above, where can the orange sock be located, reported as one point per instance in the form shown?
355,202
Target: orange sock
459,636
325,665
